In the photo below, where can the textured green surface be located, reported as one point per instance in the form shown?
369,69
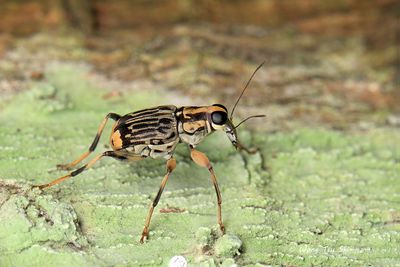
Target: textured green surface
310,197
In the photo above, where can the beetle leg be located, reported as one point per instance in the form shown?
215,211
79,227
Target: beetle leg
201,159
171,164
92,147
248,150
78,171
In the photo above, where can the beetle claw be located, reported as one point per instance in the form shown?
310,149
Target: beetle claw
222,228
145,236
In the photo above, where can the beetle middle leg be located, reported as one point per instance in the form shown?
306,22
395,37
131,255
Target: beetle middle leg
171,164
201,159
92,147
78,171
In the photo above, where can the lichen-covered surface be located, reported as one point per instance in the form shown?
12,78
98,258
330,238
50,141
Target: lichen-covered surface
311,196
323,189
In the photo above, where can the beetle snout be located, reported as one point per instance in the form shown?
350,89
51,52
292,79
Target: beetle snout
231,133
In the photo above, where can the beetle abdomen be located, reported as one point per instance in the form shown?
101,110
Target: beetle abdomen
149,132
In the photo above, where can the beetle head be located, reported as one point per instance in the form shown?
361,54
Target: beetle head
220,121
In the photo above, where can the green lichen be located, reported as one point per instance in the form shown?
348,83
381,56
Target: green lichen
308,197
29,220
228,246
228,263
204,236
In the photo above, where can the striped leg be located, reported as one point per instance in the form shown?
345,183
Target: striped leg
78,171
171,164
201,159
93,145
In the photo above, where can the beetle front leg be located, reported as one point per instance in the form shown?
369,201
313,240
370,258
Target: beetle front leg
248,150
201,159
171,164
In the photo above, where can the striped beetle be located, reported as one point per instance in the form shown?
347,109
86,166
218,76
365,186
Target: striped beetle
155,133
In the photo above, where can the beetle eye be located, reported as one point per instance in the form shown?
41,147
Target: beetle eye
221,106
219,117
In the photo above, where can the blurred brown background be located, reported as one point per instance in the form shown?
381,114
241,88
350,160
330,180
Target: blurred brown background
342,17
329,62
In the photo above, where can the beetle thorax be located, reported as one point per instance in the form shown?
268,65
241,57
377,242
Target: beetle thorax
193,124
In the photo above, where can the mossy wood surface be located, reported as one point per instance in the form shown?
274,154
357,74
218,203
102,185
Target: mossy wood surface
311,196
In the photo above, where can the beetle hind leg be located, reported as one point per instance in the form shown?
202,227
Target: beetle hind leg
92,147
77,171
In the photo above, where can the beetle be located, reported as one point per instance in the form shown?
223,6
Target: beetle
155,133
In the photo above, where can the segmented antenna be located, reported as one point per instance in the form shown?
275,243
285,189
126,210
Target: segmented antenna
251,117
247,84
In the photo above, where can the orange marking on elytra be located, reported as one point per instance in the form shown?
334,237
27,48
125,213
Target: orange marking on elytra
116,141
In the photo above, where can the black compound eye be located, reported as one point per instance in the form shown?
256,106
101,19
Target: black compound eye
219,117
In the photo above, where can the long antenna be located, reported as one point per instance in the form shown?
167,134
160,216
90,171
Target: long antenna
243,121
247,84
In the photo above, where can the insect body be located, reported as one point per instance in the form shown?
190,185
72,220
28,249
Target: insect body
155,133
146,133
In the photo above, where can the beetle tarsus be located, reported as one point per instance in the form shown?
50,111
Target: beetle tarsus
145,235
41,186
63,167
252,150
222,228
